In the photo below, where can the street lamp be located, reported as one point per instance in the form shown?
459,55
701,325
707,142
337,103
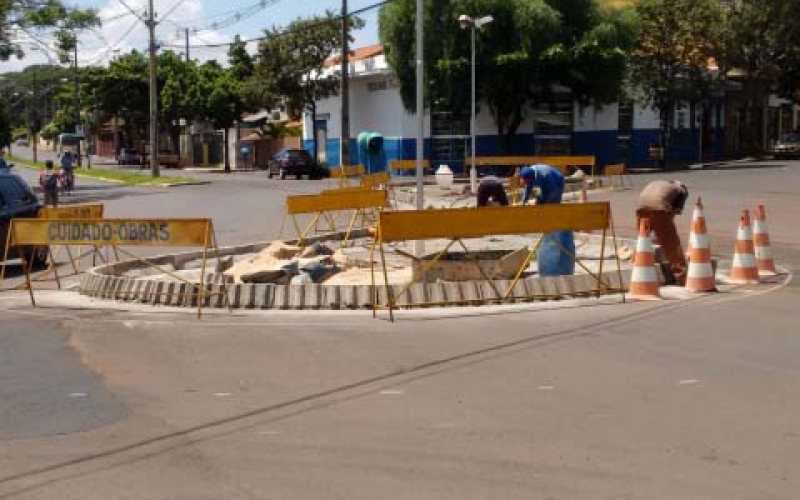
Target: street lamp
474,24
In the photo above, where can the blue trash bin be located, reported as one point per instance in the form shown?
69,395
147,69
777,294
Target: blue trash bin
552,259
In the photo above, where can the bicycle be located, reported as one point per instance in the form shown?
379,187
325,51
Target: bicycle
67,181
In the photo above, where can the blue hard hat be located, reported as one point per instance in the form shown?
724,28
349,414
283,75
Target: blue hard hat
527,173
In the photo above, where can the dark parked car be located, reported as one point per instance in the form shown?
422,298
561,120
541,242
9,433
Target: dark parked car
17,199
129,156
788,146
294,162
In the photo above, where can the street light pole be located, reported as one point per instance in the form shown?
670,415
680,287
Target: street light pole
419,245
473,173
78,128
474,24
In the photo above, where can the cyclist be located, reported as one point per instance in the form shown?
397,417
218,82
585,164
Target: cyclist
67,167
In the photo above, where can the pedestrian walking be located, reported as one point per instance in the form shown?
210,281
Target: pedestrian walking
48,180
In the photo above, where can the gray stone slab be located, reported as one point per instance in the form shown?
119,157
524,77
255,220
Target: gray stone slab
520,291
452,292
312,296
471,292
418,294
332,297
436,293
536,287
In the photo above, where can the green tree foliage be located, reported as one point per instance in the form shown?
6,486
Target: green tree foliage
678,41
121,90
5,124
241,63
291,67
37,16
530,46
764,53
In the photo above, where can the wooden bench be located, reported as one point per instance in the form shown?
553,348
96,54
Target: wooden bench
562,163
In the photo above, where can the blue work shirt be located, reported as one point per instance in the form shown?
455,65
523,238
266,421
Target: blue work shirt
67,162
550,182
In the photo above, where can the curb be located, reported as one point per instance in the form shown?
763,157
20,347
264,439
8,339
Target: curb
105,282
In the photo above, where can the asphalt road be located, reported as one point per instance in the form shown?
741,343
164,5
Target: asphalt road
677,399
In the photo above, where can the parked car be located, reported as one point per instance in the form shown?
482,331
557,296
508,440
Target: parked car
23,143
788,146
17,199
129,156
294,162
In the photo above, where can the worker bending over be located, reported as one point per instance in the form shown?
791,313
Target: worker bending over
660,202
549,180
491,190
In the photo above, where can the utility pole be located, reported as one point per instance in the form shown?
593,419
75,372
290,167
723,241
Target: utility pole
151,26
78,103
187,44
344,152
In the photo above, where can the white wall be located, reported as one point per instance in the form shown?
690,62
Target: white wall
589,118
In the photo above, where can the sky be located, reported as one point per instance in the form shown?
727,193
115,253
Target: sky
209,22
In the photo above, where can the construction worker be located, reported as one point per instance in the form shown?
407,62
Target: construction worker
660,202
556,253
491,190
549,180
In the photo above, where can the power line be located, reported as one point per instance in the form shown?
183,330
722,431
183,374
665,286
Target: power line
285,32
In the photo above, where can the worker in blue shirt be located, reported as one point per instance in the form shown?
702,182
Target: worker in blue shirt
549,180
556,253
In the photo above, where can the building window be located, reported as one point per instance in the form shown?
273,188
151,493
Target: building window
377,86
624,131
552,125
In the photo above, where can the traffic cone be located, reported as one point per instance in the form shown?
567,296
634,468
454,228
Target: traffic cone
699,213
644,278
763,248
700,276
744,270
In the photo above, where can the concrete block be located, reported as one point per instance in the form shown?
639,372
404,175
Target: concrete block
418,294
365,297
472,292
281,296
452,292
267,298
535,286
312,296
502,288
332,297
158,292
436,293
487,292
401,299
520,291
297,295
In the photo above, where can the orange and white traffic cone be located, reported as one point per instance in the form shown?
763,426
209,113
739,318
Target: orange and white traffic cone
699,213
744,270
763,248
644,277
700,276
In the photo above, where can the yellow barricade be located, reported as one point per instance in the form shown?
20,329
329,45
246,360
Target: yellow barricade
341,174
560,162
118,233
616,172
377,180
325,204
462,223
87,211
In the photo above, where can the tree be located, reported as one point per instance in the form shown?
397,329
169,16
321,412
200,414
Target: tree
765,50
291,67
5,125
221,101
677,42
530,46
121,90
30,16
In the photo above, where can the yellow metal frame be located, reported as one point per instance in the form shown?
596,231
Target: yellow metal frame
342,174
560,162
190,233
461,223
326,205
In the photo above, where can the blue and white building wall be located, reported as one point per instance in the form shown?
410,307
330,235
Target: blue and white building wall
615,133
